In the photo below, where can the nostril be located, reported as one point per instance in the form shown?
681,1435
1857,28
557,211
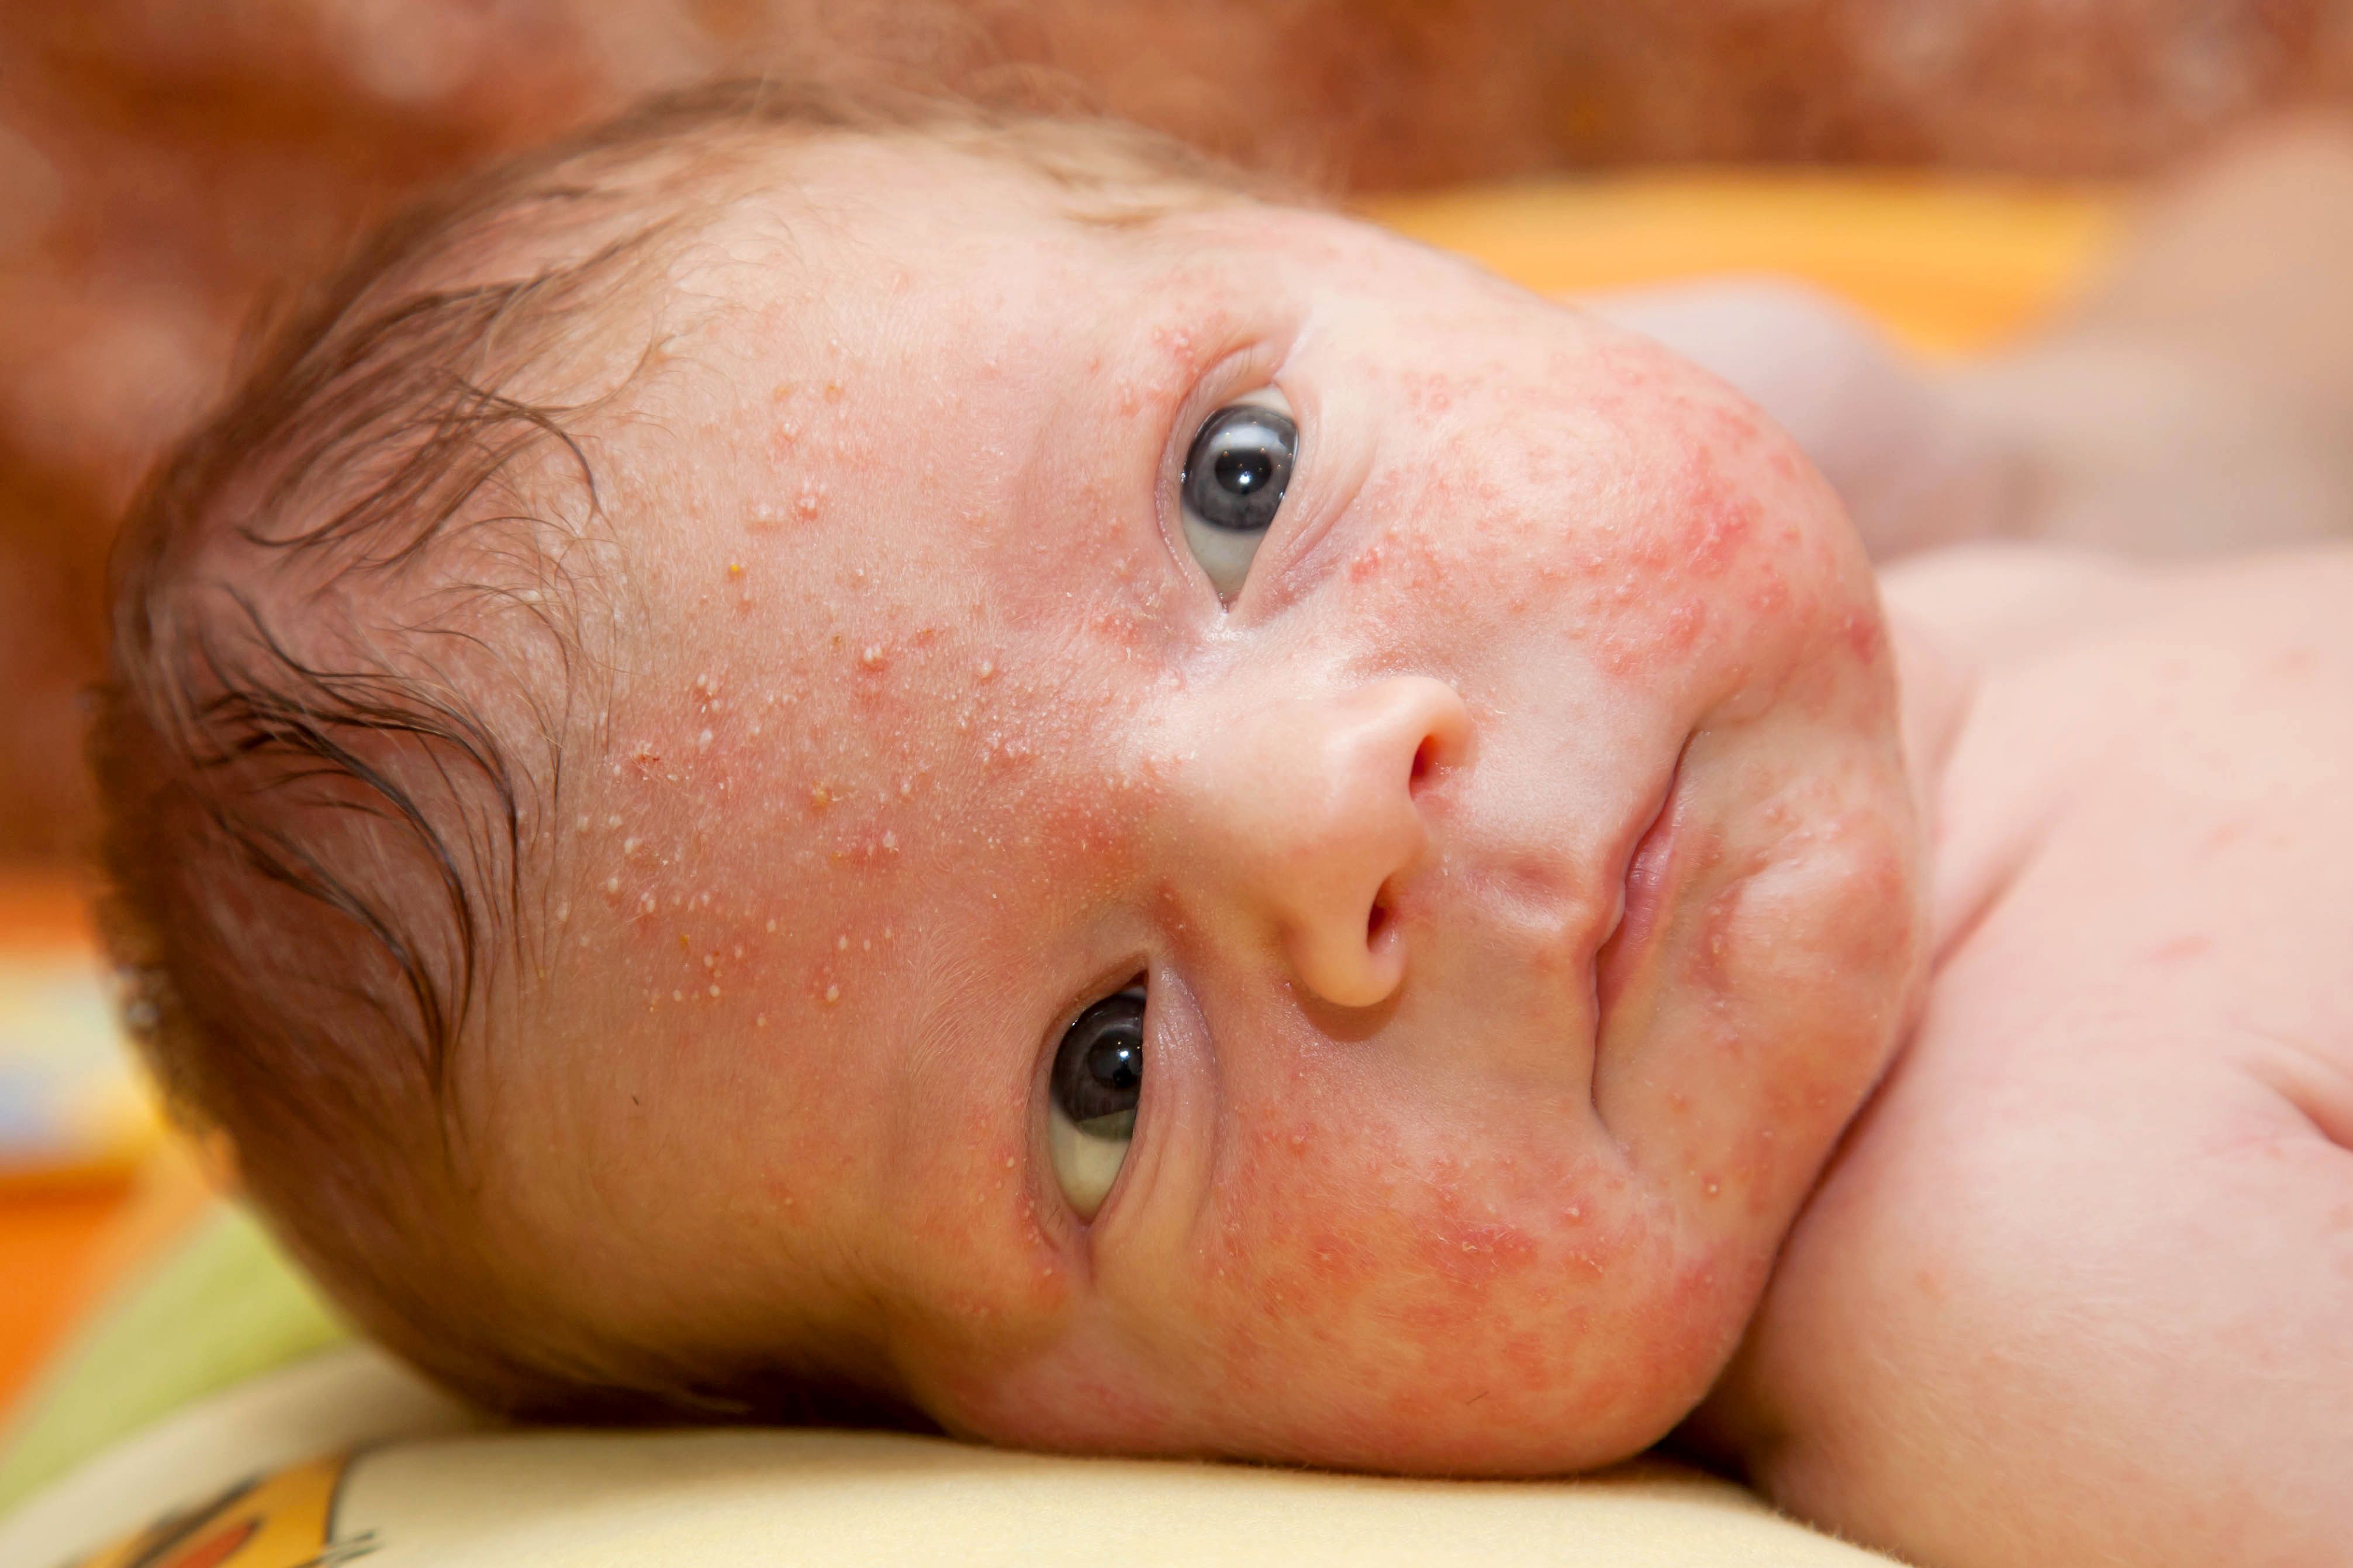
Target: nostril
1422,761
1375,923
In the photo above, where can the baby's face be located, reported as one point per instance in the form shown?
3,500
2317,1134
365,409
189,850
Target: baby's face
1508,842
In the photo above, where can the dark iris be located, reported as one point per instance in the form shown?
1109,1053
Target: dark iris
1240,466
1099,1069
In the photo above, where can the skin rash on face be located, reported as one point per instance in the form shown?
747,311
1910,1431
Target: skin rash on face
1519,864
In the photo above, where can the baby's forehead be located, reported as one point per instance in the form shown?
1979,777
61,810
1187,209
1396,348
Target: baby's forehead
936,260
834,727
880,394
854,216
815,850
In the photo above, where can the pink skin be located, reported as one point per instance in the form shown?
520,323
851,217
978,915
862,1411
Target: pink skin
1451,1157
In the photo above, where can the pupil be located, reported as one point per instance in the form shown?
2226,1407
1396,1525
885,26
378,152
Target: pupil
1243,472
1117,1062
1239,467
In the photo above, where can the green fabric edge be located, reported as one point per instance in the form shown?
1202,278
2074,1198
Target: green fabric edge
220,1306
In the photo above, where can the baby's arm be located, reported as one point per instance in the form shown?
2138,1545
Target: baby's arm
2199,399
1913,472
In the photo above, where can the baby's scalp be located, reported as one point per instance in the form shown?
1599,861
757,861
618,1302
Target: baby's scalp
924,733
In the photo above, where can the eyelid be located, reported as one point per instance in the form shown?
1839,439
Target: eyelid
1238,377
1228,556
1169,1179
1138,973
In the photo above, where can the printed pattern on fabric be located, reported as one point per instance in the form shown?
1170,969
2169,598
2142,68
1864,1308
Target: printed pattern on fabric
281,1521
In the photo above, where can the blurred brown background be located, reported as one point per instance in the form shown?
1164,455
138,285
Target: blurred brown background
164,165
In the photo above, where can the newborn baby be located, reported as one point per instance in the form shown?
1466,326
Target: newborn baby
822,758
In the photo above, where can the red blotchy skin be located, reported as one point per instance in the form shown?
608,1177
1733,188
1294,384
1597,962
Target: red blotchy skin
976,742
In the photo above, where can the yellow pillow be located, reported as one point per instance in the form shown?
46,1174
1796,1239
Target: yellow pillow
347,1457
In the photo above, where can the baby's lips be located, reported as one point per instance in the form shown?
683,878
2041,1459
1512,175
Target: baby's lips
1642,913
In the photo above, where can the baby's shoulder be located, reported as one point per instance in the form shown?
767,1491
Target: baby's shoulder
2023,612
2155,767
2142,847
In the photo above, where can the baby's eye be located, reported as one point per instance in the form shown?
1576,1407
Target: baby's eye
1235,475
1098,1077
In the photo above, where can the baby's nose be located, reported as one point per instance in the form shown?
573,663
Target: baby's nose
1315,806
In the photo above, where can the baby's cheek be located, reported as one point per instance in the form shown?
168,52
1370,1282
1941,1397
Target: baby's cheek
1667,538
1790,971
1380,1294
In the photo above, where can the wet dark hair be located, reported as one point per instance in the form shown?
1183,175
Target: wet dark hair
357,661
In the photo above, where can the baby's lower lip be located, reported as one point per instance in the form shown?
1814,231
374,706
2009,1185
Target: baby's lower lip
1645,881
